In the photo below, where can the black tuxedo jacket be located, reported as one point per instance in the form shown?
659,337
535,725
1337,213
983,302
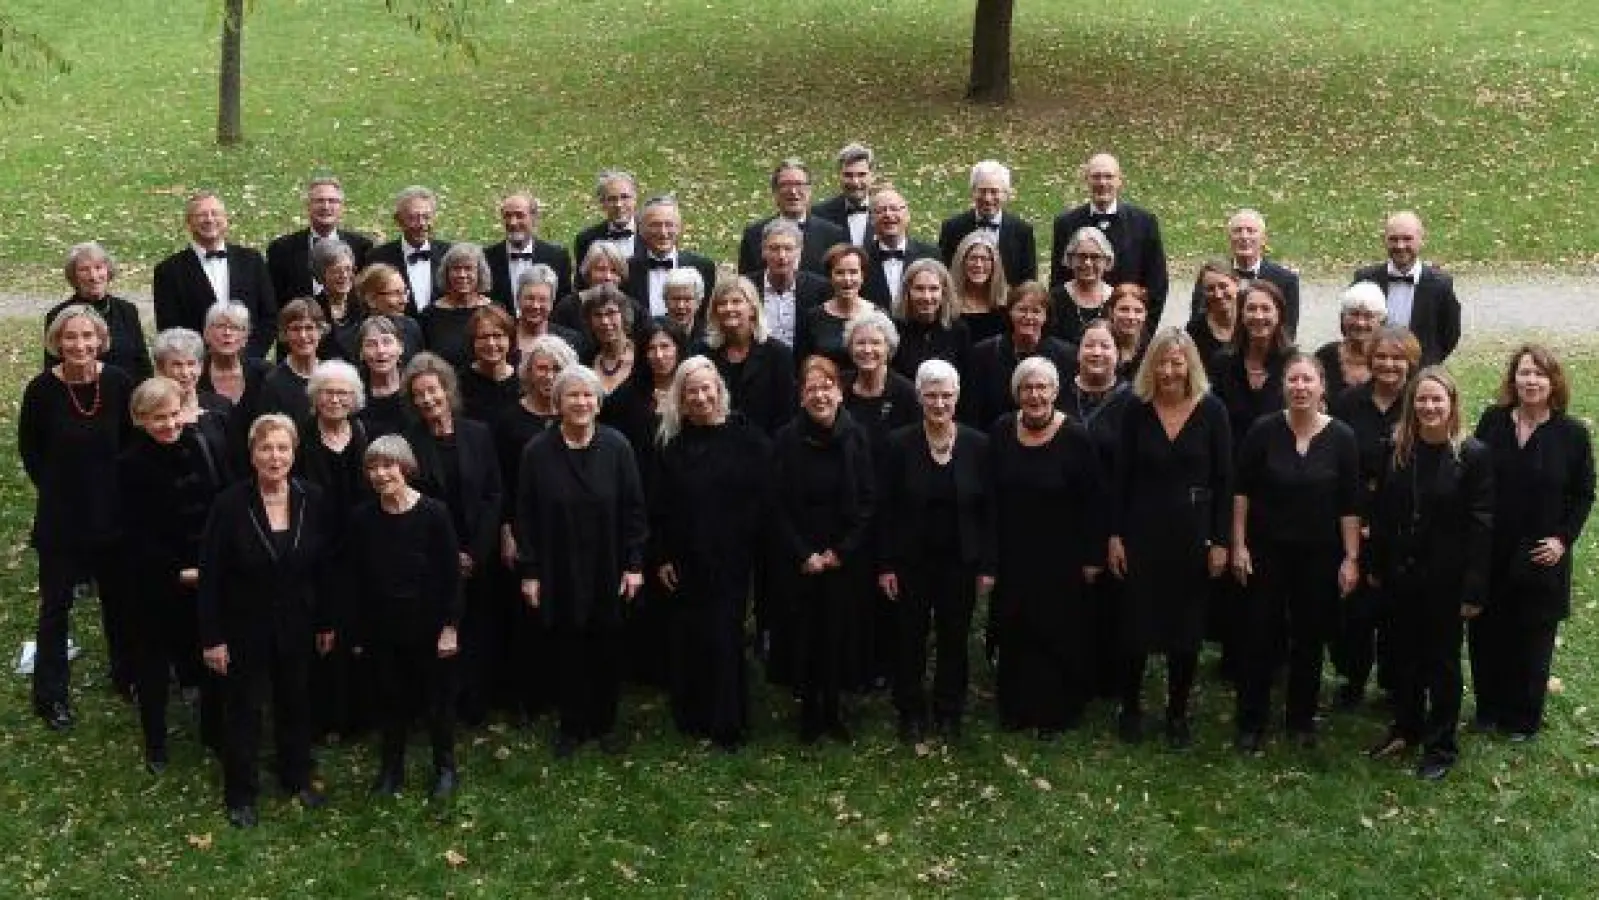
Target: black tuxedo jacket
820,236
638,275
503,291
833,209
1434,311
875,285
1287,281
183,294
1017,249
289,260
391,254
1140,255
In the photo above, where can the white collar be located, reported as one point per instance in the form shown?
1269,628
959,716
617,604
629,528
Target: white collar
1414,273
1115,207
407,249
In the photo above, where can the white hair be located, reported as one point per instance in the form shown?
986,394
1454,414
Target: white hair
873,318
1031,367
229,312
685,276
332,371
1364,296
1246,213
937,371
991,167
579,375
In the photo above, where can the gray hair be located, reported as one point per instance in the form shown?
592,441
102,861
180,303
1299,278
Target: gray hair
229,312
611,254
685,277
392,449
937,371
331,371
609,175
88,250
52,334
270,422
1247,213
786,227
414,192
793,163
948,305
991,167
1094,236
855,152
328,252
580,375
177,342
1033,367
427,363
745,288
672,406
539,274
1364,296
464,252
661,200
331,181
873,318
552,345
379,325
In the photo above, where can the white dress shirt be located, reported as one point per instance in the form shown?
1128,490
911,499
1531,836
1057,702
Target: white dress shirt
1402,293
857,227
781,310
420,274
216,271
625,246
515,267
658,283
893,272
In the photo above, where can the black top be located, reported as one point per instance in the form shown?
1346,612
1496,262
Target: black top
1049,510
985,325
896,407
710,501
444,332
385,415
826,491
463,471
1294,498
921,341
1175,490
407,575
1209,346
515,427
1067,320
819,332
127,350
342,340
1245,403
284,391
341,474
244,410
1101,412
71,457
1332,368
485,399
167,491
761,387
1374,434
927,508
985,386
1432,525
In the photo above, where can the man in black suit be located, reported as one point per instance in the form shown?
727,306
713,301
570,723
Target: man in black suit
616,191
1421,296
787,291
521,250
660,225
791,188
850,209
210,269
416,254
891,249
289,255
1134,233
1246,237
990,185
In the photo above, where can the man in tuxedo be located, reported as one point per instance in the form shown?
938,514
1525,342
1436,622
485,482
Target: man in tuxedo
209,270
1134,234
521,250
289,255
1246,238
850,209
660,225
990,185
787,291
416,254
616,191
1421,296
791,188
891,250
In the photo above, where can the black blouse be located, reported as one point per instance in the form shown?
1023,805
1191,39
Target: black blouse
444,332
922,341
1245,403
1294,498
1374,434
69,438
485,399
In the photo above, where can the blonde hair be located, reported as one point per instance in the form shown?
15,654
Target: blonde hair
151,393
1165,339
1408,428
672,407
998,283
267,423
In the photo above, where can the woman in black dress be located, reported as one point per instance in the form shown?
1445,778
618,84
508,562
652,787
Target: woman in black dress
982,285
262,614
757,368
1170,509
489,385
821,328
825,498
1213,331
463,278
228,373
1050,526
179,355
402,558
300,326
936,551
708,509
381,352
1432,546
1129,311
581,529
72,424
1086,295
1371,410
90,270
1544,488
928,318
535,299
169,475
1296,551
987,394
1362,309
457,464
684,295
333,267
1249,374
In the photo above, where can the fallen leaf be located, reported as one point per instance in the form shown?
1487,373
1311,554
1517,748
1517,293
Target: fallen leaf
454,859
200,841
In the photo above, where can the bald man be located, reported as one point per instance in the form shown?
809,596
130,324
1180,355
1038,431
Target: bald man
520,216
890,249
1134,233
1421,296
1246,243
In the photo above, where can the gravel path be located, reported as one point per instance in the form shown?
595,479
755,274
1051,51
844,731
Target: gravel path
1558,308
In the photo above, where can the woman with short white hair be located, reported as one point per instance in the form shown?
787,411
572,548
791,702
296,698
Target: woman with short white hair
1362,309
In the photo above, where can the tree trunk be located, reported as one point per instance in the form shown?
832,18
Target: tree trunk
990,79
230,76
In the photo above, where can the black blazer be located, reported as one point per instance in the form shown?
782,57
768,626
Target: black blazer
289,260
250,595
480,488
637,285
503,291
834,209
820,235
167,493
390,253
1017,248
875,285
985,385
1286,280
1436,539
1140,254
1434,311
763,388
183,294
904,493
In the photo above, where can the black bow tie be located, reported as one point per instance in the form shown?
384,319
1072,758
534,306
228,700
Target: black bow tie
617,234
990,224
417,256
1407,279
851,209
216,254
890,254
1246,273
525,257
655,263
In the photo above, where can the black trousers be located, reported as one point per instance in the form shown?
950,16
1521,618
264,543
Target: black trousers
1289,609
1510,660
824,606
61,571
256,671
1427,633
487,632
937,594
533,660
588,680
167,643
415,681
1182,666
1362,645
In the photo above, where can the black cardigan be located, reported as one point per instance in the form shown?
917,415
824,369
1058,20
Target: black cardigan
1437,539
797,445
480,488
904,493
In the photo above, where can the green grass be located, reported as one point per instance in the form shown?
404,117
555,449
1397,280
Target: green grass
1324,115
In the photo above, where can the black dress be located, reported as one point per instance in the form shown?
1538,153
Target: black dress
985,386
445,332
1544,488
1049,519
985,325
819,332
1246,403
1209,346
532,668
385,415
483,398
708,510
922,341
1067,320
284,391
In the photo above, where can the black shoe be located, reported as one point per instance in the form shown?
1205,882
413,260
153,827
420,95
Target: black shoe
389,782
1391,745
1130,727
838,731
444,785
311,798
242,816
1433,767
565,746
1250,743
155,760
1349,696
57,715
1179,735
